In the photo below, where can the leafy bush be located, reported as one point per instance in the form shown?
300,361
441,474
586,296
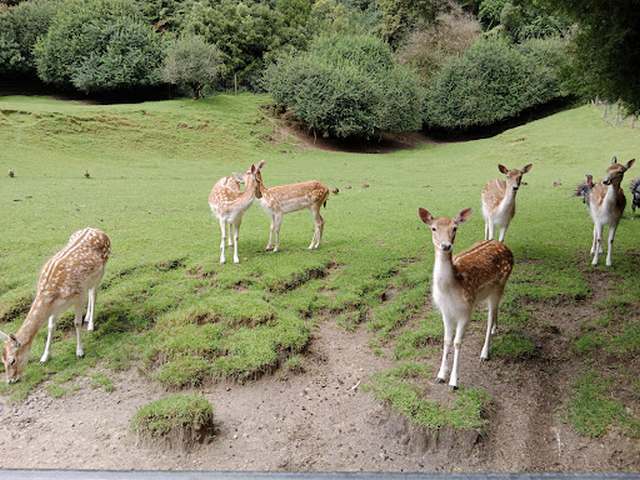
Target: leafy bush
20,27
244,32
347,86
99,45
400,17
491,82
429,48
192,63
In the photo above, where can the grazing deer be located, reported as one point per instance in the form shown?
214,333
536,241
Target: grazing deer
499,201
460,282
635,194
65,281
282,199
606,203
228,203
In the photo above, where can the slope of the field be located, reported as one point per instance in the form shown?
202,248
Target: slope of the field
305,353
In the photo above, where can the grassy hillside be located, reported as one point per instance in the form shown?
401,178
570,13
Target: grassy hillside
167,306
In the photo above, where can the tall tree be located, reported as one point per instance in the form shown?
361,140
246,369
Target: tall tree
608,47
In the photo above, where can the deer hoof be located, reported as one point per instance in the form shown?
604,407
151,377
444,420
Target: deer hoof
440,380
453,388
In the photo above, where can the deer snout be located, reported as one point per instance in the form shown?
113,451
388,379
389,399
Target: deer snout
606,181
446,246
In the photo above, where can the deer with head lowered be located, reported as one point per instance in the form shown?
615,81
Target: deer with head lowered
462,281
228,203
606,202
282,199
499,201
68,279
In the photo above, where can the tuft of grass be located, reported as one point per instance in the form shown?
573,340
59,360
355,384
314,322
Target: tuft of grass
403,389
591,409
412,343
179,420
294,364
589,342
183,372
513,346
56,391
100,380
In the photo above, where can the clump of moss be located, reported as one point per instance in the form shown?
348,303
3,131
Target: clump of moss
176,421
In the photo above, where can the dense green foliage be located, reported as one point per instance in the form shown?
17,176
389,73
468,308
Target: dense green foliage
491,82
607,48
192,63
99,45
347,86
20,27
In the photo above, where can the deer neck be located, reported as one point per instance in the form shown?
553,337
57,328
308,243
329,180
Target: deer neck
245,199
509,199
38,314
611,197
444,273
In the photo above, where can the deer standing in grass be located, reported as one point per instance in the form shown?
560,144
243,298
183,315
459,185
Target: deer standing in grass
499,201
68,279
228,203
460,282
282,199
606,203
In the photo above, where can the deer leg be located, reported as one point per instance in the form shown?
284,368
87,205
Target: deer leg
277,220
492,322
271,233
486,229
229,235
612,236
457,344
223,234
594,244
47,346
491,228
91,305
599,228
318,225
448,340
77,322
503,231
236,233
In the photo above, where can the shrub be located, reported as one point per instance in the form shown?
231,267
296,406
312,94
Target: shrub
429,48
20,28
176,420
244,32
192,63
99,45
347,86
492,81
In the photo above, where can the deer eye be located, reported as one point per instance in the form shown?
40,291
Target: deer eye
12,361
433,229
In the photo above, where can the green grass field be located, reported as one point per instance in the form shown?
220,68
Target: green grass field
168,307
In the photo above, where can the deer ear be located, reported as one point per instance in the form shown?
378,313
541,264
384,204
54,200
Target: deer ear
238,176
614,159
463,216
253,168
261,164
527,168
630,163
503,169
425,216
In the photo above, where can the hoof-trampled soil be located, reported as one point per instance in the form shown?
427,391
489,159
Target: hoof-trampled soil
322,420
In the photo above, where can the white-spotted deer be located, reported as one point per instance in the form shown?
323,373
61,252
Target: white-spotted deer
499,201
228,203
606,203
282,199
460,282
65,281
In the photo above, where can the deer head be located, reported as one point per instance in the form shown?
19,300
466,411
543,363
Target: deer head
514,177
443,229
615,172
14,357
253,179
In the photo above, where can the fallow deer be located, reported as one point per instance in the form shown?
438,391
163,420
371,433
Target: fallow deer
460,282
606,203
635,194
65,281
499,201
282,199
228,203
